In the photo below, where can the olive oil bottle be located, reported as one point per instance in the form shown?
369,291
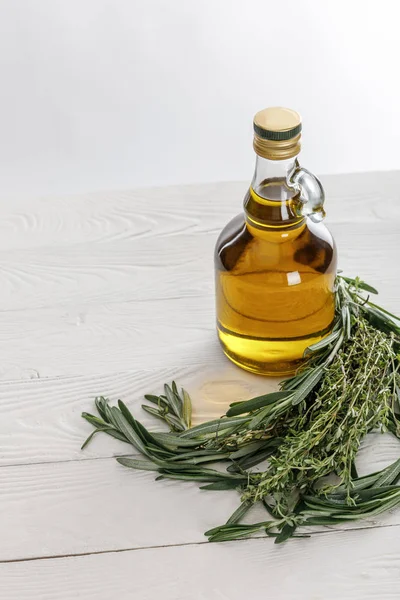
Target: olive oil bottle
276,263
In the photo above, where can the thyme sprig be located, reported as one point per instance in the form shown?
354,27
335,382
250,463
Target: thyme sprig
310,429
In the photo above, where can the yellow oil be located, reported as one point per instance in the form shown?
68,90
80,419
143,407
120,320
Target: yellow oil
275,276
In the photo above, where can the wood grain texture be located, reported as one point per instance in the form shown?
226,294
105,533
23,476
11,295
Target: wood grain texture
41,418
148,268
362,565
105,283
94,505
154,243
88,338
112,293
105,217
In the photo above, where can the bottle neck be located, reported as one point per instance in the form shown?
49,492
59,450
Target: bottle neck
270,178
271,202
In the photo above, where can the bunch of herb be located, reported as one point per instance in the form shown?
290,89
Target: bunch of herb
310,429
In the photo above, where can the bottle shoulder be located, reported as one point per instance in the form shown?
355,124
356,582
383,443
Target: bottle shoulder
311,245
231,231
232,242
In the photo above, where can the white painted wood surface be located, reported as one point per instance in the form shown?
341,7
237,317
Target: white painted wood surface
113,294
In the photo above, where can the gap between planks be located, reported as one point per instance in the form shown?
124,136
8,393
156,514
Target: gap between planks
321,532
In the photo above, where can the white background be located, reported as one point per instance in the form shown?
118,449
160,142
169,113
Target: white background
109,94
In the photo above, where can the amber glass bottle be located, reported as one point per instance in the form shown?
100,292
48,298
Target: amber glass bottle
276,263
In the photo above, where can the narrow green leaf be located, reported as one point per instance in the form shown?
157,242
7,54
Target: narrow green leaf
269,508
368,288
187,408
305,388
133,463
389,474
115,434
376,492
158,400
247,462
174,440
174,422
104,427
346,320
89,439
362,285
109,410
320,521
213,426
249,448
358,484
188,476
383,310
100,402
239,513
145,435
155,412
93,420
256,403
258,418
234,532
379,320
293,382
127,414
237,527
127,430
220,456
173,400
221,485
285,533
334,350
326,341
195,452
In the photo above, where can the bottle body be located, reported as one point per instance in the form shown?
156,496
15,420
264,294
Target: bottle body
275,273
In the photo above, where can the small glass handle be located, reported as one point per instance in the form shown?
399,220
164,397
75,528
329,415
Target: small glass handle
311,192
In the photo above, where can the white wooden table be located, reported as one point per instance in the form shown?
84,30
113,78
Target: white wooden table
112,293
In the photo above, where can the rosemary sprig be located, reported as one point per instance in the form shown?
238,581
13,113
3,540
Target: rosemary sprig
311,428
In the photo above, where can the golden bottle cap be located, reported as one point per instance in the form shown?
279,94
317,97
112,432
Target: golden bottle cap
277,133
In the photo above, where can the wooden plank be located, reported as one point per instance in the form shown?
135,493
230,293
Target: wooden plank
104,217
82,284
164,267
93,505
141,269
151,213
351,565
79,340
159,242
83,338
40,419
78,275
71,507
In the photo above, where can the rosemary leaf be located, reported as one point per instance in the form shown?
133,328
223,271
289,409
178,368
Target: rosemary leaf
187,408
213,426
173,400
133,463
239,408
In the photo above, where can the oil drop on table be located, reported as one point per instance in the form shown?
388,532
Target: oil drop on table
276,263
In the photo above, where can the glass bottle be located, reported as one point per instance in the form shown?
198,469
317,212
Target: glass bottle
276,263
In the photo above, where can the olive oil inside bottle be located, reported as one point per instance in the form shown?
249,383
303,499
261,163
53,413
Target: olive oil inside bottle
275,274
